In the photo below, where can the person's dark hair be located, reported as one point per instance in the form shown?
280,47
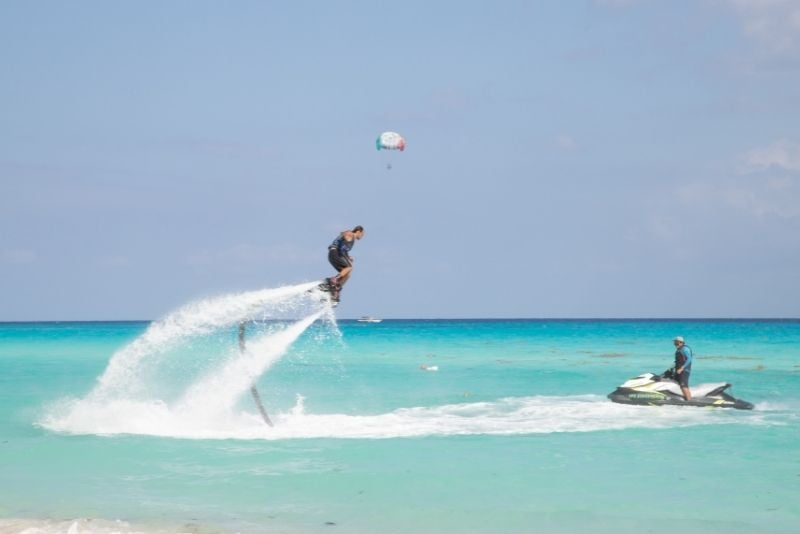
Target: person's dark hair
358,228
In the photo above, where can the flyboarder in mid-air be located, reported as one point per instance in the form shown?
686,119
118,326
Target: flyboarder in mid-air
339,257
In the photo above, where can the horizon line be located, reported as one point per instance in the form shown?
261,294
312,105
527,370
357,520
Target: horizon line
689,319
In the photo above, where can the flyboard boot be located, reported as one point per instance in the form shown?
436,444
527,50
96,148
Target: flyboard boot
336,287
331,287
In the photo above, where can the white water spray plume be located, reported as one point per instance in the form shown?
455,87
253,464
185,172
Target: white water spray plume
190,369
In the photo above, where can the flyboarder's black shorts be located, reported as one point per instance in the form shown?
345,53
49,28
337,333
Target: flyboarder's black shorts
683,378
338,261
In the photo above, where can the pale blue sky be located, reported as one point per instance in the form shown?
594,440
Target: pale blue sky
565,159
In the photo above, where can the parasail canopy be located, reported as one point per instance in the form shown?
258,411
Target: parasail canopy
390,141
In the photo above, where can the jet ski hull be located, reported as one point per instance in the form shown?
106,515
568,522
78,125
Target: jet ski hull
641,398
656,390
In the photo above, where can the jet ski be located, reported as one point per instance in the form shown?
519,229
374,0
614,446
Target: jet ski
649,389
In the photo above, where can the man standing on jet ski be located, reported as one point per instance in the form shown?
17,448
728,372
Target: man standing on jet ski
683,366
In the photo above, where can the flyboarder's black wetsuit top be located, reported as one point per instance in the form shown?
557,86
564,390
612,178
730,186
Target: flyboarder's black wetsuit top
339,253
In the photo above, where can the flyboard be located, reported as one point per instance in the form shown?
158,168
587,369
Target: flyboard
253,390
331,290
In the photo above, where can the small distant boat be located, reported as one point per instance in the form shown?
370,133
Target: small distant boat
368,319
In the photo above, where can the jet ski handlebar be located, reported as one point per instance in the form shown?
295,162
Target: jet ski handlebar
669,374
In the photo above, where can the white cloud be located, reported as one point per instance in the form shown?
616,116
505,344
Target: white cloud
773,23
775,191
779,155
766,197
565,142
765,201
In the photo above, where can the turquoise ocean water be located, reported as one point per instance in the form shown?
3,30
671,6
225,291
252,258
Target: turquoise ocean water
511,433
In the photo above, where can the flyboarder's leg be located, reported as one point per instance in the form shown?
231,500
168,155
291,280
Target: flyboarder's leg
343,276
